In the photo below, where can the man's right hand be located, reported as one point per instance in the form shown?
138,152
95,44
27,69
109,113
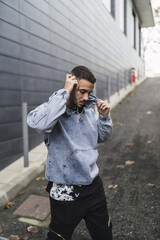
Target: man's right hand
70,83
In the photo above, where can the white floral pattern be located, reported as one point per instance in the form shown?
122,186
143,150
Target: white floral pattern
63,192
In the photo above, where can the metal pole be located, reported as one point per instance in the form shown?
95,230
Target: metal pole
118,83
125,78
25,133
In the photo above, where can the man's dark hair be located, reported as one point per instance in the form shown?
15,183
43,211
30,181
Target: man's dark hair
82,72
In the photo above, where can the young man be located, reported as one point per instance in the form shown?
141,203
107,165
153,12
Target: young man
71,133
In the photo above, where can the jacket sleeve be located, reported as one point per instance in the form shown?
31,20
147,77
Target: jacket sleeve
104,127
44,117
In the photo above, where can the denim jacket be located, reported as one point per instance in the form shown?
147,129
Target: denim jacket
71,138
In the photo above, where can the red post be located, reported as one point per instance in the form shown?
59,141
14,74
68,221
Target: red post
133,75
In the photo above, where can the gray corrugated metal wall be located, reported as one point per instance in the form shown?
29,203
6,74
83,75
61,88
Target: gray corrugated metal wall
41,41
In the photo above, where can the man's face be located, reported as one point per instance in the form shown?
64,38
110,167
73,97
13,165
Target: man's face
81,92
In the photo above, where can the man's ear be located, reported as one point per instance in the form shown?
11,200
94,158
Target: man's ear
76,86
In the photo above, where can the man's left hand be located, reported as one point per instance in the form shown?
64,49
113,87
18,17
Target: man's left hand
103,107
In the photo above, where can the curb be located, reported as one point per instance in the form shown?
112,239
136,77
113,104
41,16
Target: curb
116,98
15,177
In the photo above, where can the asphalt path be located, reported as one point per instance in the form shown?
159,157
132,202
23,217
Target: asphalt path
130,169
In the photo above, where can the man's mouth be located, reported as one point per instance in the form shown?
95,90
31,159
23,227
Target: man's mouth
81,103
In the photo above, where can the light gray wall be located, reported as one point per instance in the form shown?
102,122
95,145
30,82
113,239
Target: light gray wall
41,41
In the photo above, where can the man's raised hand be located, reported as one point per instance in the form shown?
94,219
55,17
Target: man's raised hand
70,83
103,107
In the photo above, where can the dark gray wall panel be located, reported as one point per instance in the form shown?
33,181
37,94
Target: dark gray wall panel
27,24
9,31
10,98
10,81
10,114
34,42
13,4
37,85
41,5
34,98
10,131
9,48
8,64
9,14
13,147
29,10
31,55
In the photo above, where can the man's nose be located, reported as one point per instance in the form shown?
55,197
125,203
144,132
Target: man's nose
85,96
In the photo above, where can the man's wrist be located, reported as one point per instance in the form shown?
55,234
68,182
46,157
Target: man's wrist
63,92
66,90
108,116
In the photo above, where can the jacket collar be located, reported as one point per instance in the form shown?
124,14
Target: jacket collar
92,100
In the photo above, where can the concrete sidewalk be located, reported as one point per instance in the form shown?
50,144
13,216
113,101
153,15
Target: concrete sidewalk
15,177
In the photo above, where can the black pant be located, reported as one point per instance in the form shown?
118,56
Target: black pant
66,215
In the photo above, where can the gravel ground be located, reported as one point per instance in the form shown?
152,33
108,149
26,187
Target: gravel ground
129,166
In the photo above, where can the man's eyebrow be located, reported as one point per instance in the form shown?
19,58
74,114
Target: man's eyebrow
82,89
